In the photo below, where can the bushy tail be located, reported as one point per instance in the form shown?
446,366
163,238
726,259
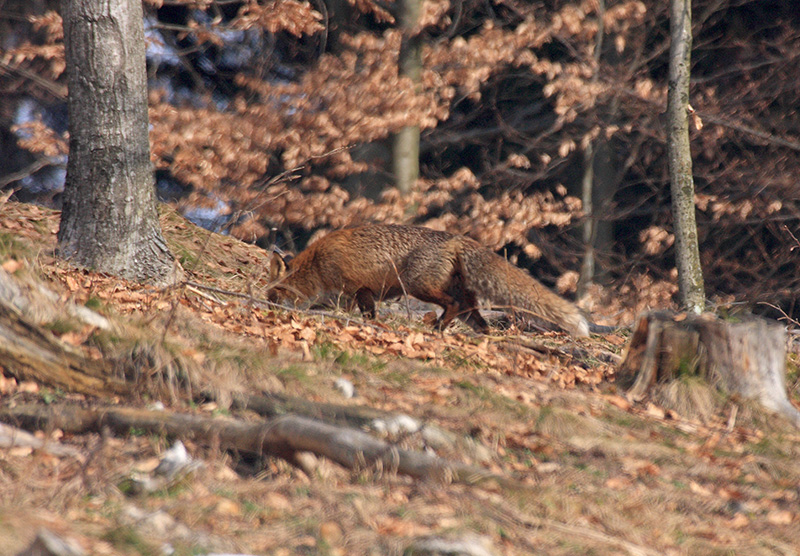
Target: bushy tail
511,289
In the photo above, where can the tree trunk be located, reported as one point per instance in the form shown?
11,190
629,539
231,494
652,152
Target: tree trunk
109,220
690,273
746,358
405,143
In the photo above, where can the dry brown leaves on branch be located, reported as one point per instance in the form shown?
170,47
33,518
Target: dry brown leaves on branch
297,18
50,22
39,138
373,7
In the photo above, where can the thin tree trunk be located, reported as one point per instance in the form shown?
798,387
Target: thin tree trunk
405,143
588,182
690,273
598,185
587,186
109,220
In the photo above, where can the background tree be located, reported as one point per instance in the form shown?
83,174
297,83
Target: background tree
109,220
690,273
405,143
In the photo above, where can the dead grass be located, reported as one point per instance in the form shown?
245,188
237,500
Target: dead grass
691,397
599,479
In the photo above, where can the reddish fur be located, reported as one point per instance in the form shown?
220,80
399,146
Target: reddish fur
383,261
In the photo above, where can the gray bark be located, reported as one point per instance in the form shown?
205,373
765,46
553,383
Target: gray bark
587,185
405,158
405,143
690,273
29,352
109,220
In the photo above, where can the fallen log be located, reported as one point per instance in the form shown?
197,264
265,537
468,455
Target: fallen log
30,352
39,304
361,417
270,405
745,358
283,436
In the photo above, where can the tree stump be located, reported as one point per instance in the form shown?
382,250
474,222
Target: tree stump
745,358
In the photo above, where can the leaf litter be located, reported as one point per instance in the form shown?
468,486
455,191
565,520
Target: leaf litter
605,476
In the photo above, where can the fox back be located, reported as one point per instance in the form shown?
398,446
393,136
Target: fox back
347,260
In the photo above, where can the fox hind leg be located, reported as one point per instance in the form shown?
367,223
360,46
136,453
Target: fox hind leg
475,320
465,312
464,305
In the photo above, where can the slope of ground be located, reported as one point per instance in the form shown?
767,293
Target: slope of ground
595,474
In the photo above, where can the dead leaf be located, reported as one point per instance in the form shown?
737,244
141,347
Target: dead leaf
72,338
11,266
699,489
619,483
72,283
28,387
739,521
331,533
278,501
400,527
780,517
655,411
7,384
19,451
619,402
228,507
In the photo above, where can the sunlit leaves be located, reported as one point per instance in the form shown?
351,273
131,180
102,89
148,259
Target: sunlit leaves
292,16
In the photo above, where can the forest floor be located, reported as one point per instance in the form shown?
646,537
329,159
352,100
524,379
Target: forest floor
594,473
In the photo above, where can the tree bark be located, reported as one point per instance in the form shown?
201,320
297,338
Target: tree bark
109,220
690,273
405,143
746,358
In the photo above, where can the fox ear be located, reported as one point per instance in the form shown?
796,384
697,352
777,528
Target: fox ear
276,251
277,264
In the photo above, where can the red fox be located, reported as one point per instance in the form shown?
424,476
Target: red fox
379,262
